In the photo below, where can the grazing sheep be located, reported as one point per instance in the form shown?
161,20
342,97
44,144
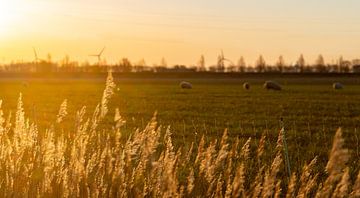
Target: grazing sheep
246,86
270,85
338,85
185,85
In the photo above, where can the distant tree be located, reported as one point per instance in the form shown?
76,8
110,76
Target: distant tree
163,62
141,62
125,65
340,63
44,65
320,64
300,64
140,66
280,64
66,64
241,65
231,68
201,64
344,65
125,62
213,68
260,64
192,69
220,66
85,64
161,69
182,68
65,61
49,58
320,60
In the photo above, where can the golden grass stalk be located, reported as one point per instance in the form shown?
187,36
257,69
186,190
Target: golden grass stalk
339,156
342,188
291,189
356,188
62,112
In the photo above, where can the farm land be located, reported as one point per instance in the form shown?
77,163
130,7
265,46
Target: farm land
311,109
76,135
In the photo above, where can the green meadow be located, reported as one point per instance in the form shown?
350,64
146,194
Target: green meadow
311,109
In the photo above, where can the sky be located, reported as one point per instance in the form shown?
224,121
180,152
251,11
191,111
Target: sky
180,30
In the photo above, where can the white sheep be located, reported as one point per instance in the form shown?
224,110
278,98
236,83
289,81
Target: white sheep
338,85
246,86
270,85
185,85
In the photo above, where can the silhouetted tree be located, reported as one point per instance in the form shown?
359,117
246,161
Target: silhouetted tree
280,64
140,66
45,65
163,62
344,66
241,65
161,69
125,65
142,62
66,60
320,64
340,64
220,66
231,68
213,68
182,68
201,64
71,66
86,66
260,64
192,69
49,58
300,64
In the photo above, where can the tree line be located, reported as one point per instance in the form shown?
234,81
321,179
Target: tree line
221,66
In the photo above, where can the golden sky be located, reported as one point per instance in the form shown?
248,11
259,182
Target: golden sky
180,30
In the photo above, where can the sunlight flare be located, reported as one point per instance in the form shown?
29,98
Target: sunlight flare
9,14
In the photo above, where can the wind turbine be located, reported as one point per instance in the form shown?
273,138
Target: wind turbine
98,55
223,59
37,59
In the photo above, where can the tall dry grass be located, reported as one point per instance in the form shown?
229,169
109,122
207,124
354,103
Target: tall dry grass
96,161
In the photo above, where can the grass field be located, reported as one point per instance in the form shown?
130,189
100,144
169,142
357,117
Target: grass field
311,109
312,112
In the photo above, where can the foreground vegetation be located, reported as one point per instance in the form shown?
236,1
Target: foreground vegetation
98,159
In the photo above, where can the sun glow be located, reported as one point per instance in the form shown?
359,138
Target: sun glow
9,13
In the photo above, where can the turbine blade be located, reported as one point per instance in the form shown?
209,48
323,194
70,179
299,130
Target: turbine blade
102,51
231,63
36,57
